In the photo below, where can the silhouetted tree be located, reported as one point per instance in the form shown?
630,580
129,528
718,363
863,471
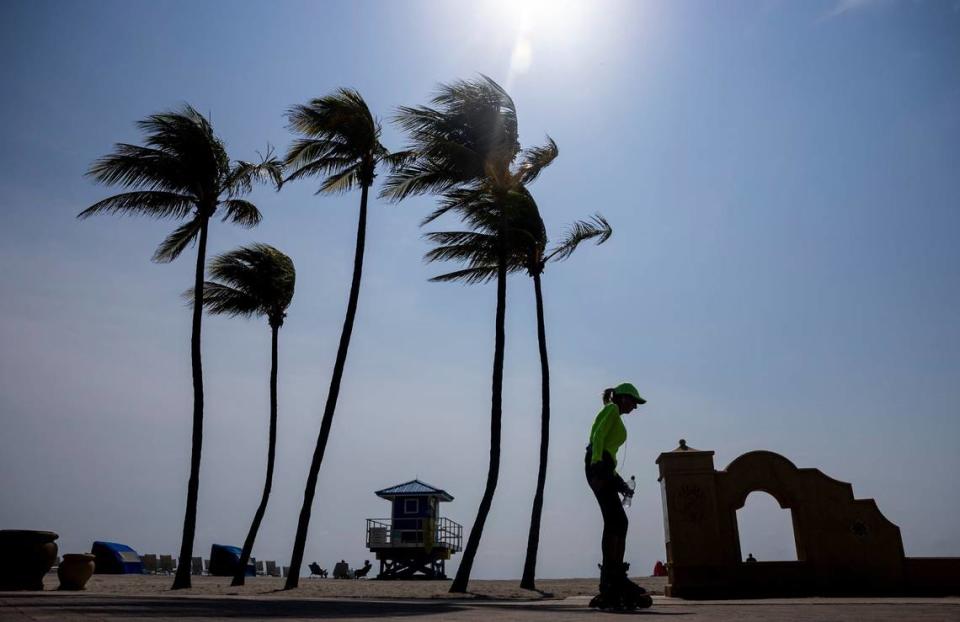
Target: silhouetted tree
529,253
341,143
465,149
183,172
256,280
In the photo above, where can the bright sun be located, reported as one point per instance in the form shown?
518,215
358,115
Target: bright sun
538,23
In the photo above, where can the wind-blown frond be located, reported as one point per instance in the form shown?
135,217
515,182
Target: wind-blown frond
244,174
251,280
340,141
219,299
241,212
535,159
342,181
468,135
153,203
468,276
177,241
182,171
135,166
596,227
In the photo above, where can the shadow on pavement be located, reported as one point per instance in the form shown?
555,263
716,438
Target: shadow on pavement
169,607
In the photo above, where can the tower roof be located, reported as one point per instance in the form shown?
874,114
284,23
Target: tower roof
414,488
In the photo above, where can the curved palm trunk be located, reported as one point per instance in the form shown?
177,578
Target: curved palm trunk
533,540
239,577
182,579
473,542
300,542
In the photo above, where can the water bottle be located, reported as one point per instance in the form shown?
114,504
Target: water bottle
632,485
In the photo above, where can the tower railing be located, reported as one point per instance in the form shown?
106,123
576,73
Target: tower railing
383,533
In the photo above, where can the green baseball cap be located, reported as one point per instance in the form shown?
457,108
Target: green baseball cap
628,389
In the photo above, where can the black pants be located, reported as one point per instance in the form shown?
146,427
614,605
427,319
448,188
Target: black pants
605,484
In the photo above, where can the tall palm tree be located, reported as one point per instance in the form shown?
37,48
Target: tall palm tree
182,171
530,255
465,148
341,143
256,280
536,262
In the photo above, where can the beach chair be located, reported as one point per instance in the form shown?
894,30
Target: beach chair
341,570
261,570
196,565
167,564
149,563
361,573
206,566
272,570
286,571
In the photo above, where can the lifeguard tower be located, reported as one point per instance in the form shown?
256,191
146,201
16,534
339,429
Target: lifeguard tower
415,542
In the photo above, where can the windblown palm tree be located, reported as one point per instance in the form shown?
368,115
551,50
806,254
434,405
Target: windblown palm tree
465,149
183,172
341,143
256,280
475,248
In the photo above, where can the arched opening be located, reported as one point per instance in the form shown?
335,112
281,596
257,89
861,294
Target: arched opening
766,529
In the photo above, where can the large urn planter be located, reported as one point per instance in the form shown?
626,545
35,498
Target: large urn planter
75,570
25,556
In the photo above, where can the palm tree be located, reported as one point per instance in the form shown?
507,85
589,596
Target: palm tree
536,262
531,255
466,150
183,172
255,280
341,143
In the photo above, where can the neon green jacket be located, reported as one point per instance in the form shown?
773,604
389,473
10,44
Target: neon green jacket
607,434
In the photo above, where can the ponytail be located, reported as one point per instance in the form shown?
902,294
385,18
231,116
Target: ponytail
608,396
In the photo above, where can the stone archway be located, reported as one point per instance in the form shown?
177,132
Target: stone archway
844,544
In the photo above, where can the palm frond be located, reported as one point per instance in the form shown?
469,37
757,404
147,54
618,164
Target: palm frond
596,227
219,299
153,203
244,174
468,276
176,242
343,181
535,159
241,212
188,137
132,166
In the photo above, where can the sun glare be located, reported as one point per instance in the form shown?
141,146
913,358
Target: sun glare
538,24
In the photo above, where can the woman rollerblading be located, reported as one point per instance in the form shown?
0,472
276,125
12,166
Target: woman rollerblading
608,433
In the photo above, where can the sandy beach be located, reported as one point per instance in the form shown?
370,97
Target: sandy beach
272,587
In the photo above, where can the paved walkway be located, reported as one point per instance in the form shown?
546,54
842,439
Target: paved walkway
20,607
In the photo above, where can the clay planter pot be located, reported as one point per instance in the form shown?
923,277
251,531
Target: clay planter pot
25,556
75,570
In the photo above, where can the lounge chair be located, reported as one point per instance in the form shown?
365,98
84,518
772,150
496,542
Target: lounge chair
361,573
261,571
272,570
196,565
342,571
315,569
286,571
168,565
149,563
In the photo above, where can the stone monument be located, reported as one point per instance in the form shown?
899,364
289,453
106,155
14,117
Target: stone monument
844,545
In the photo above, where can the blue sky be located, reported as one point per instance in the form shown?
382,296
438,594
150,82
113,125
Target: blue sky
781,177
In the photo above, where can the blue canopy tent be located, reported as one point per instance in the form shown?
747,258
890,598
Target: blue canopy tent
225,559
115,558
